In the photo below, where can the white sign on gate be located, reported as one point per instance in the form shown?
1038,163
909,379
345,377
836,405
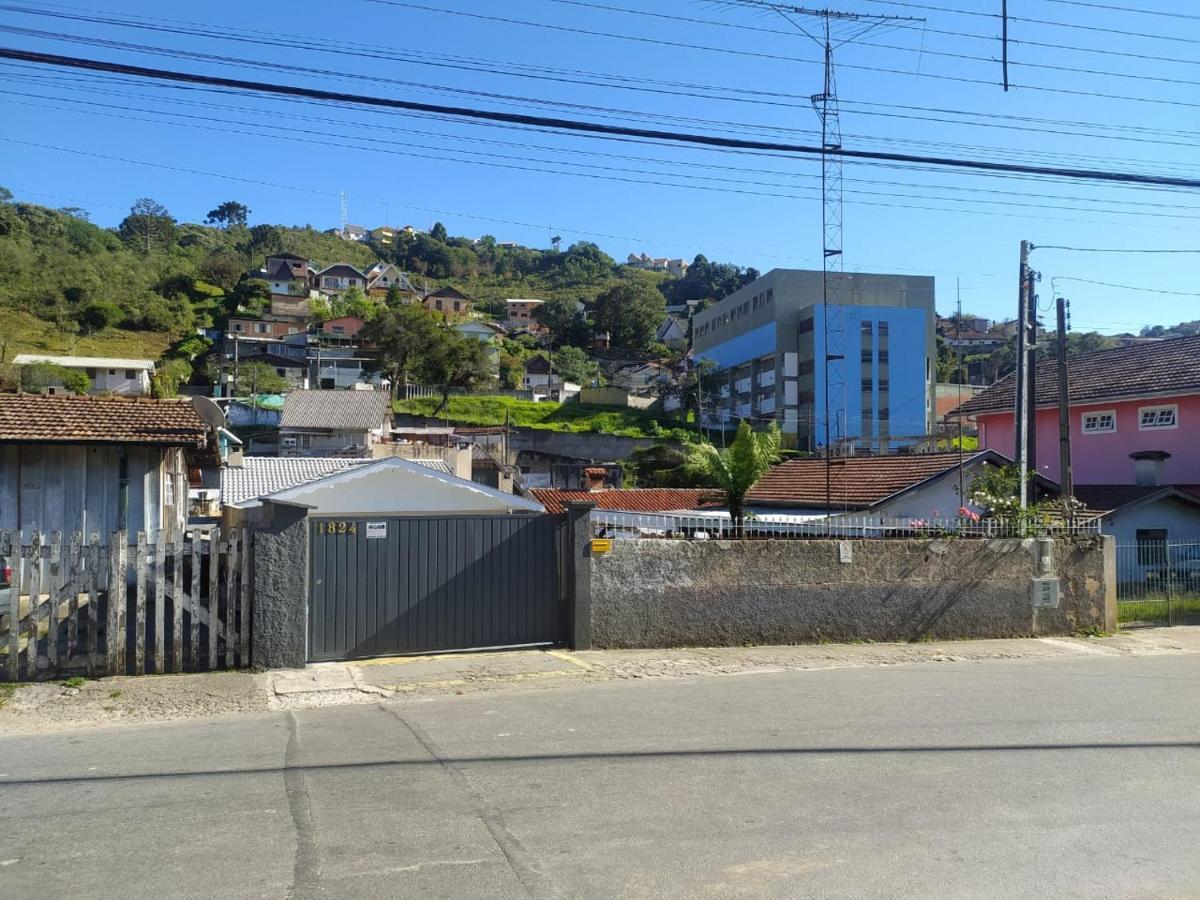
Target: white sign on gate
376,530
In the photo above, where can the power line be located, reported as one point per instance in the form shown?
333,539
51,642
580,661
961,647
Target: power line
1110,249
584,126
287,130
1128,287
1139,11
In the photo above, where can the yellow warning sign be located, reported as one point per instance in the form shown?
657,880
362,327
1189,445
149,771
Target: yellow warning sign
602,545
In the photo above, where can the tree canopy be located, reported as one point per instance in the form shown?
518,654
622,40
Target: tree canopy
631,313
738,467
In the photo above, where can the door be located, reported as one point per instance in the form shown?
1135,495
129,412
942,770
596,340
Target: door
380,586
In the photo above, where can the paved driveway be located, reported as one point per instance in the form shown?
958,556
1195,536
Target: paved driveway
1037,778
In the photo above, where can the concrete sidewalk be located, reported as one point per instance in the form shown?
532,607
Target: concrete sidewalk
53,706
324,684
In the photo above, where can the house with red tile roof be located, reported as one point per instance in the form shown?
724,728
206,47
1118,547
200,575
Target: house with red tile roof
1135,426
96,465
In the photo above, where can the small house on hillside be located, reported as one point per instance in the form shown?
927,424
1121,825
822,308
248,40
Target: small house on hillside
382,277
98,464
340,277
449,302
126,377
334,423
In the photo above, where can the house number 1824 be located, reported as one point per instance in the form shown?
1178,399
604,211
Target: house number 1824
337,528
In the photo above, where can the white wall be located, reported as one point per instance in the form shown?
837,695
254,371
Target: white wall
1181,520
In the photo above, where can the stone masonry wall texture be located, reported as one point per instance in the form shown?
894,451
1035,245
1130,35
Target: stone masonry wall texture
666,593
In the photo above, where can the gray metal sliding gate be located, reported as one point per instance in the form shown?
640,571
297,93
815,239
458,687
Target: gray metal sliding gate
411,585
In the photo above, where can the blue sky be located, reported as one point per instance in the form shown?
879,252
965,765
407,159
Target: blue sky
744,72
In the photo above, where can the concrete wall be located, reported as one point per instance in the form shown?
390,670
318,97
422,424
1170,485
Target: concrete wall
280,573
663,593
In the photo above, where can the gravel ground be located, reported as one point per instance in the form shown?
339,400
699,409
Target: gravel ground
49,706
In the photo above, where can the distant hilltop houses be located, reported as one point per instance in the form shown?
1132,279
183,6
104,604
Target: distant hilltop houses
676,268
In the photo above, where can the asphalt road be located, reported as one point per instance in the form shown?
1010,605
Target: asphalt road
1059,778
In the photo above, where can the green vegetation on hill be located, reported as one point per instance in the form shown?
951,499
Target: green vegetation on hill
570,417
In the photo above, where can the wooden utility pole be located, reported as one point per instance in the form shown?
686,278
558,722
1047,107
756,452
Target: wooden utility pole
1065,478
1004,41
1020,446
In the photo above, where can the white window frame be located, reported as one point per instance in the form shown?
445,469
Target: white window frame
1083,417
1158,411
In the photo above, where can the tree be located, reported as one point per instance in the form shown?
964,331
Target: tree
222,269
257,378
630,313
169,376
575,365
438,232
148,227
661,466
737,468
352,302
565,321
400,337
99,315
229,214
453,360
38,376
394,298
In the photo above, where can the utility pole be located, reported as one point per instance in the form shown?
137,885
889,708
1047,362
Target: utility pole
958,354
1031,347
234,387
1020,445
1065,478
1004,42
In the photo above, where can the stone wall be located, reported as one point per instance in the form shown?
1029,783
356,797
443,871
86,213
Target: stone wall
665,593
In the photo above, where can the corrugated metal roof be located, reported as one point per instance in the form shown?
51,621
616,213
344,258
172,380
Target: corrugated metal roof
259,476
84,362
336,410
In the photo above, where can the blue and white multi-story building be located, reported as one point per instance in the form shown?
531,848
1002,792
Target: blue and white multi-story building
768,344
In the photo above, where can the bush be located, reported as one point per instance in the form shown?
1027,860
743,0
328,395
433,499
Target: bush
100,314
36,377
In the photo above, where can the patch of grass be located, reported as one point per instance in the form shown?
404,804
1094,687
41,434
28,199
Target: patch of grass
1155,608
25,333
75,681
566,417
7,689
1093,631
115,694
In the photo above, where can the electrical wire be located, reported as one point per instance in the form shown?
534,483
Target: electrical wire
1110,249
1127,287
569,125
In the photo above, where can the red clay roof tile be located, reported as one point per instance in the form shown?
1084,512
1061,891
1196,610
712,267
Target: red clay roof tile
648,500
99,420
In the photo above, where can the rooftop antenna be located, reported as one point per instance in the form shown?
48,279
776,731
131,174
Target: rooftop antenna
834,29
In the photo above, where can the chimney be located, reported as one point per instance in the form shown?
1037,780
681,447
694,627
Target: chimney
1147,466
593,478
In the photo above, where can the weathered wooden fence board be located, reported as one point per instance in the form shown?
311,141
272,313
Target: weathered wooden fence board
72,599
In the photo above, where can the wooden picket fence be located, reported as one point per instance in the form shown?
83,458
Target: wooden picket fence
80,607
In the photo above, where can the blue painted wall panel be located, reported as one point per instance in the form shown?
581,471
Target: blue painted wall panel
743,348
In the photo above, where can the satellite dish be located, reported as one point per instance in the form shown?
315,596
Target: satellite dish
207,410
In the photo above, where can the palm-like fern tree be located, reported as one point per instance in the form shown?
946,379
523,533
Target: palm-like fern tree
737,468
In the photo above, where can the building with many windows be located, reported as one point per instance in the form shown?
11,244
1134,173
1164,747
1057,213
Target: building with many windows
768,343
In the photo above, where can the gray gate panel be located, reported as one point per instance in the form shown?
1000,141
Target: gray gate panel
434,583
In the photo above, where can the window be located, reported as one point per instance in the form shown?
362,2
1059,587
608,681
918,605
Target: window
112,371
289,441
1151,546
1154,417
260,327
1099,422
306,441
338,329
237,326
806,325
130,374
282,373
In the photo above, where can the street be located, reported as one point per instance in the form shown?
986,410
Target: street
1048,778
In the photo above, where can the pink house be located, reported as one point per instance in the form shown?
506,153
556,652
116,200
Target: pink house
1134,414
347,326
